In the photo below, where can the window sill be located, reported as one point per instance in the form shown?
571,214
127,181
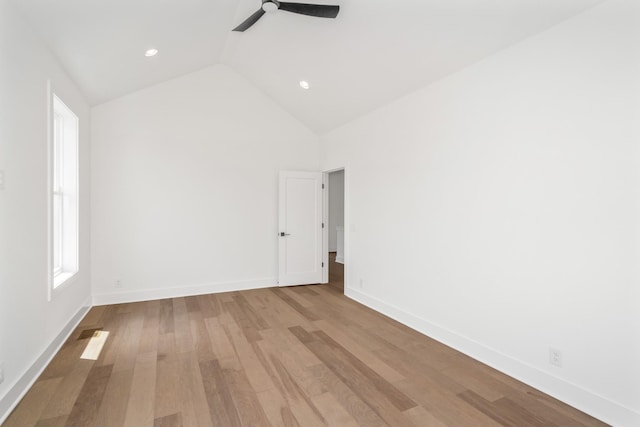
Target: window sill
62,281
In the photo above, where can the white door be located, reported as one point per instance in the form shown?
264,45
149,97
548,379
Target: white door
301,229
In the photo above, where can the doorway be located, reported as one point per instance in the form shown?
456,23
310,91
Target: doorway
336,209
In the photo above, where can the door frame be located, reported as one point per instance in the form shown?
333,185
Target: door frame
347,225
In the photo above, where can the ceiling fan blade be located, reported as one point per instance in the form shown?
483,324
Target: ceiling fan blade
319,10
250,21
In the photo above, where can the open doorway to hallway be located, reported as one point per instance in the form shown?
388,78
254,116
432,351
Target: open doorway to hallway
336,229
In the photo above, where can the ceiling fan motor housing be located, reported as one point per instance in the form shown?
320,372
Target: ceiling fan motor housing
270,5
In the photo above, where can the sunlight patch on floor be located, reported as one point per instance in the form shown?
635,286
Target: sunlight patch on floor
94,346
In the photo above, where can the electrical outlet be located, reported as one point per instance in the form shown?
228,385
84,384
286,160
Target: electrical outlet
555,357
1,372
118,283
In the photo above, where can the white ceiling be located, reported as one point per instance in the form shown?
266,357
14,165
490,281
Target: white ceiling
373,52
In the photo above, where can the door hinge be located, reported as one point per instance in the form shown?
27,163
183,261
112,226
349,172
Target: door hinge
323,264
323,186
323,225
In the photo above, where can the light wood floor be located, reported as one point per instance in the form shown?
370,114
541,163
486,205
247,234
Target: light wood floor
336,273
304,356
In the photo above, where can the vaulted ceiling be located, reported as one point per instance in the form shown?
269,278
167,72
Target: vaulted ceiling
373,52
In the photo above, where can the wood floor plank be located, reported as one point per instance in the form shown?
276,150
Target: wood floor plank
365,355
65,360
150,329
503,411
246,325
222,409
536,397
549,412
68,390
60,421
184,340
286,340
93,317
293,385
166,322
395,396
246,401
191,392
294,293
167,377
173,420
280,314
113,408
206,306
200,334
418,368
334,413
278,411
220,342
252,315
117,325
421,417
444,405
304,311
273,310
30,409
362,386
85,409
192,304
288,373
140,407
129,343
470,377
352,403
253,368
307,412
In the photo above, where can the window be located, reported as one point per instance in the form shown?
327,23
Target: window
64,193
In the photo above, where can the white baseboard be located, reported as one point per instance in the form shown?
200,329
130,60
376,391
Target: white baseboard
340,260
591,403
154,294
22,386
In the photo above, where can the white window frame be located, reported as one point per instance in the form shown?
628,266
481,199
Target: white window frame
63,192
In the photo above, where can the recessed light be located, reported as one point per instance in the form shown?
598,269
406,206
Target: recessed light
151,52
304,84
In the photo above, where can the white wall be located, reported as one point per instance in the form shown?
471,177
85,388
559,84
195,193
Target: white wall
336,207
510,194
185,178
30,326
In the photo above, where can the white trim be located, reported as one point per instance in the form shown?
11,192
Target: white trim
325,229
49,276
66,281
62,278
340,260
572,394
24,383
183,291
347,226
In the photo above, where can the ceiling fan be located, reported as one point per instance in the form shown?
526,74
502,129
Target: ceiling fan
319,10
